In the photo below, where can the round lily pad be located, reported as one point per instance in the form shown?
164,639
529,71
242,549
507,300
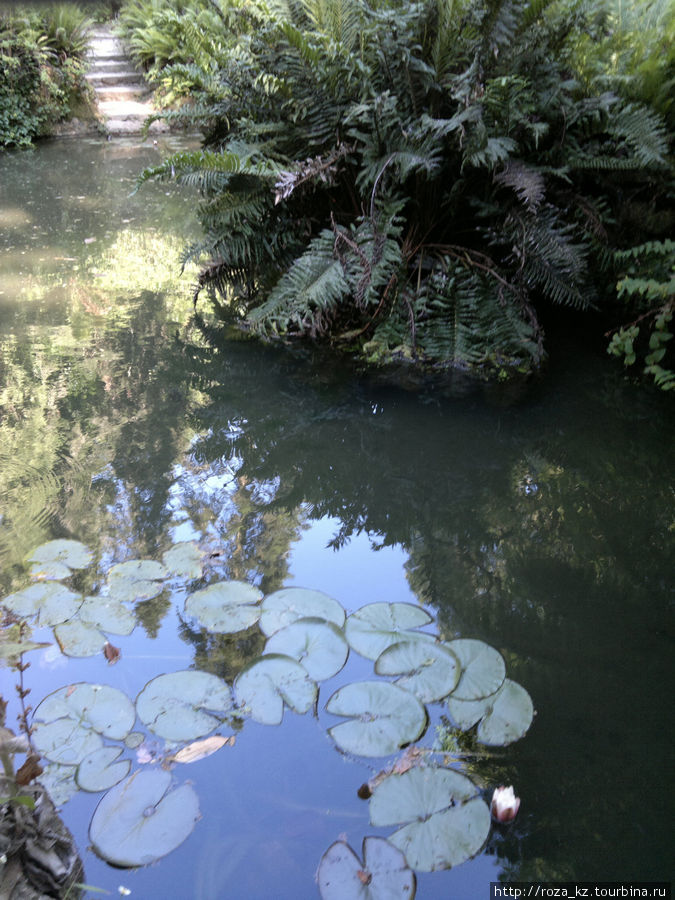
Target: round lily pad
269,682
184,560
427,668
285,606
383,874
141,820
72,554
444,820
382,718
50,571
137,579
483,669
51,602
108,614
79,639
181,706
225,607
318,645
65,741
98,771
504,717
373,628
96,707
59,782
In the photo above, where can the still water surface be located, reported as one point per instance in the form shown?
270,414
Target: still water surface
543,526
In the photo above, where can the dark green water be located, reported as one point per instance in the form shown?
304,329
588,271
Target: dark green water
544,526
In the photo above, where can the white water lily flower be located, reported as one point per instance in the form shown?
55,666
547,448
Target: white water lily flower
504,804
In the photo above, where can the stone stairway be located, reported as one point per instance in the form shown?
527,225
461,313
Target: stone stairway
122,97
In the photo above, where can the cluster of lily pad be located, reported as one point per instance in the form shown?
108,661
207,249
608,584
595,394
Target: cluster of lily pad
439,816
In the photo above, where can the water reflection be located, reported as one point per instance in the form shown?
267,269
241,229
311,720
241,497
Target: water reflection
543,528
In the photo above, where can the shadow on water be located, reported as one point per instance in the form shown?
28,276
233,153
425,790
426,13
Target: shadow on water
543,526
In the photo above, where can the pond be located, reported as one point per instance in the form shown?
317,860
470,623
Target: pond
540,522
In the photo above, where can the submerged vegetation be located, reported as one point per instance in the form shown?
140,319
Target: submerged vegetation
42,70
420,181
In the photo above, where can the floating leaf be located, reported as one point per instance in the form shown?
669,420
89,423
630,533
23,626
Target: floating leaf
184,560
181,706
108,614
52,603
140,820
373,628
96,707
225,607
269,682
383,717
201,749
137,579
65,741
318,645
73,554
429,670
50,571
79,639
98,771
285,606
444,820
111,653
134,739
483,669
504,717
383,874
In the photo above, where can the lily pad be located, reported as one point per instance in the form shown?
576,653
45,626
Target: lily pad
79,639
285,606
73,554
318,645
65,741
50,571
382,718
108,614
59,782
269,682
95,707
184,560
225,607
383,874
51,602
373,628
181,706
444,820
137,579
98,771
429,670
504,717
141,820
483,669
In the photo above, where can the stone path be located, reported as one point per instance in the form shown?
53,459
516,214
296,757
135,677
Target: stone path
122,97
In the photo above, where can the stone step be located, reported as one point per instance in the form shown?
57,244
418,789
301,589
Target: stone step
133,125
108,63
123,93
112,77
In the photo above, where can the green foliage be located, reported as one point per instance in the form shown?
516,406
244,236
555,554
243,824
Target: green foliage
649,287
413,180
41,71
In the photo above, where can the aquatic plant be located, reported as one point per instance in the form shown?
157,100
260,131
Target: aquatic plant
439,815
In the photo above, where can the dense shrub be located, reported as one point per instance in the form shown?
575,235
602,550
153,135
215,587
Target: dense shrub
41,71
415,180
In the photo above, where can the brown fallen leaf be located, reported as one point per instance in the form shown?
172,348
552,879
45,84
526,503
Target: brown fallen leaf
71,689
200,749
364,877
111,653
29,770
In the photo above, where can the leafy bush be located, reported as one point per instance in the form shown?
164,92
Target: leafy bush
412,180
41,71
